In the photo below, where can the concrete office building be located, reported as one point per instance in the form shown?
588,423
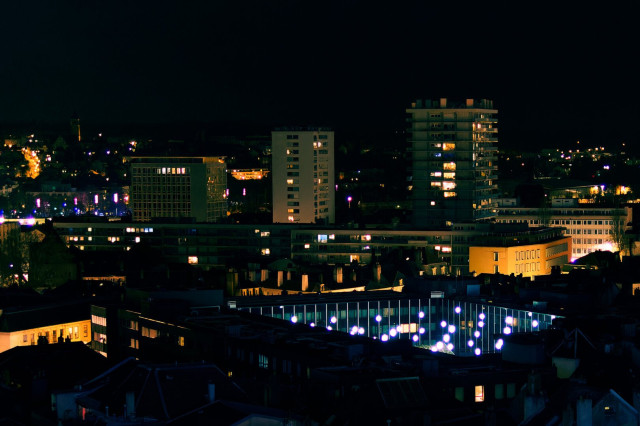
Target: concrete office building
591,227
453,148
178,187
303,176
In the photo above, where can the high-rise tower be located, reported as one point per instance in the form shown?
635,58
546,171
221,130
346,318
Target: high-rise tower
453,147
303,176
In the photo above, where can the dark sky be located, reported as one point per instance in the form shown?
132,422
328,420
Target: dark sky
557,73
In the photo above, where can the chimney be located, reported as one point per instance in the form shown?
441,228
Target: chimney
212,392
130,406
337,274
377,272
584,412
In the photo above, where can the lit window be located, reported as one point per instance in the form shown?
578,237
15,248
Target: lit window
137,239
290,181
479,393
193,260
265,252
306,246
448,146
450,175
449,194
366,237
449,166
436,174
448,185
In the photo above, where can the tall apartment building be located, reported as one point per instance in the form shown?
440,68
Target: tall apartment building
303,176
453,148
178,187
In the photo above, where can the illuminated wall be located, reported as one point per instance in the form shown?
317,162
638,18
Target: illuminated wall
78,331
528,260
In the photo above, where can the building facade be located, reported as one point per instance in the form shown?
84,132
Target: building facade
591,228
527,254
303,176
453,147
178,187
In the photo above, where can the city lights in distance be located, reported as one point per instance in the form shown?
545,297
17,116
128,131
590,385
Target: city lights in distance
506,330
470,343
478,351
384,337
499,344
446,338
482,316
476,334
457,310
420,314
378,318
393,332
294,319
452,328
534,323
443,323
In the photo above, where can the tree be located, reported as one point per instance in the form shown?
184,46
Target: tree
617,232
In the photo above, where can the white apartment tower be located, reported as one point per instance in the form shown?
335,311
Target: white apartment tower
453,147
303,175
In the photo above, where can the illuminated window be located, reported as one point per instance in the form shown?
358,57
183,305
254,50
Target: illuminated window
307,245
322,238
450,175
265,233
366,237
265,252
290,181
137,239
193,260
449,166
449,194
446,249
479,394
448,185
448,146
436,183
436,174
180,340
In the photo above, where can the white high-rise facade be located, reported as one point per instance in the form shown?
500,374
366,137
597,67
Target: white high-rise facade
453,148
302,174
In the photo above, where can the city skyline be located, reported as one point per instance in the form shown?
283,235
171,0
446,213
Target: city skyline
557,75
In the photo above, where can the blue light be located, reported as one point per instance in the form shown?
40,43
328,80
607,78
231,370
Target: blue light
384,337
378,318
422,330
480,324
470,343
457,310
420,314
534,323
482,316
294,319
476,334
393,332
478,352
415,338
443,324
334,320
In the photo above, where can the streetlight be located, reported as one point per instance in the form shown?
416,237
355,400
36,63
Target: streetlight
349,199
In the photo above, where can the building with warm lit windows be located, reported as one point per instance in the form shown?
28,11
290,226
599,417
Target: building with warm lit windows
453,148
591,228
528,254
303,176
178,187
24,327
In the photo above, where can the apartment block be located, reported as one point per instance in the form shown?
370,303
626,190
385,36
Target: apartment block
453,147
303,175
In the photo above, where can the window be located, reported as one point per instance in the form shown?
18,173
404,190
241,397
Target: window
479,394
263,361
495,256
511,390
495,269
459,394
499,391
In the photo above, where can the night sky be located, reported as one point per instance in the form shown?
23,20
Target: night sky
557,73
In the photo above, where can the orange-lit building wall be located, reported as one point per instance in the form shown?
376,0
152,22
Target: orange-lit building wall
526,260
78,331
